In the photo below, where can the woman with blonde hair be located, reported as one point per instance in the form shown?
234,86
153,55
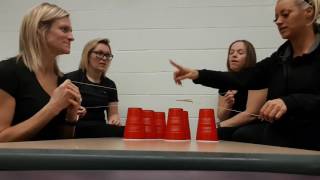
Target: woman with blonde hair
99,93
290,116
35,102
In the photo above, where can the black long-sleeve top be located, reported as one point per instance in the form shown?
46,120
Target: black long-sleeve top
296,80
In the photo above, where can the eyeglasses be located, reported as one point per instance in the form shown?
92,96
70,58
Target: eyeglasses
102,56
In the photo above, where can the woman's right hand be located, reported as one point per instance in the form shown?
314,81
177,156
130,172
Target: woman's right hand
67,94
229,98
183,73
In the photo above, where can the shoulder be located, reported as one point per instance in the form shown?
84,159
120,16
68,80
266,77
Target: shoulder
278,56
11,62
283,50
11,71
9,65
74,75
108,82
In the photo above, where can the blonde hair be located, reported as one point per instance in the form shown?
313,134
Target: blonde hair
87,50
32,40
315,4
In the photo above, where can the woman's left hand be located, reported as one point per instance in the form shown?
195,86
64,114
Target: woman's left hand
273,110
82,111
115,122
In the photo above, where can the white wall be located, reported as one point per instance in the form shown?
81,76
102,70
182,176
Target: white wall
144,34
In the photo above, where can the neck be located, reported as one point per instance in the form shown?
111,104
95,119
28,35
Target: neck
93,76
303,43
48,63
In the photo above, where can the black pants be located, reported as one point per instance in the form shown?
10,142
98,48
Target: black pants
270,134
98,129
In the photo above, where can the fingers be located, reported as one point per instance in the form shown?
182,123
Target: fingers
82,111
183,73
178,82
229,97
273,110
115,122
72,90
176,65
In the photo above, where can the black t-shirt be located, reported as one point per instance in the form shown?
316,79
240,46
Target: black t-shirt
95,97
18,81
240,103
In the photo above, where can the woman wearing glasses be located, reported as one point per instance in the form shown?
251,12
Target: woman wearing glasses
290,117
99,93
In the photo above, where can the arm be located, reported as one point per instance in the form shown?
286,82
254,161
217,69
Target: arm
256,98
113,114
26,129
252,78
298,103
62,97
226,101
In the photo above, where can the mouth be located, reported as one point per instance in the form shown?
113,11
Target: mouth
282,29
102,63
233,61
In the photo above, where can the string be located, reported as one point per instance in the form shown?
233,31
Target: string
97,107
94,85
181,100
220,107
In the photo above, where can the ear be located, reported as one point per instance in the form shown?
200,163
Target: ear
309,13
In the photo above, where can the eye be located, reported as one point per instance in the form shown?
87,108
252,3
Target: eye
275,19
65,29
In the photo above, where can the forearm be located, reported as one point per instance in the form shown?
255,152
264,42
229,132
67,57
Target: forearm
223,114
303,103
217,79
28,128
237,120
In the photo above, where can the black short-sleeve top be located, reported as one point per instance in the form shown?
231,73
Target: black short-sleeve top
21,83
95,96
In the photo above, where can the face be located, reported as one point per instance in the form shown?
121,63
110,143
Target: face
291,19
100,58
59,36
237,56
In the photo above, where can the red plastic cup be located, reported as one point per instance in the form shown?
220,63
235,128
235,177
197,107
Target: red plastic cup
160,123
149,124
206,130
175,129
134,128
186,124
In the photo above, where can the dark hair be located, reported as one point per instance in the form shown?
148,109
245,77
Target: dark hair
251,58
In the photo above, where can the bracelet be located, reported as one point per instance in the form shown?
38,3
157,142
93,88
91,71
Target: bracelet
218,125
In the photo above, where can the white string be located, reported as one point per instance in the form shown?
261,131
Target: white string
77,82
97,107
220,107
181,100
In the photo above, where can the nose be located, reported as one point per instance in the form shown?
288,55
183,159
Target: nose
278,21
234,55
70,36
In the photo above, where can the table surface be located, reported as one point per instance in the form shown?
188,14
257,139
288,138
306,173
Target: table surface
121,154
155,145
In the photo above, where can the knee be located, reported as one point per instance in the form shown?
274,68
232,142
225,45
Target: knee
246,134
